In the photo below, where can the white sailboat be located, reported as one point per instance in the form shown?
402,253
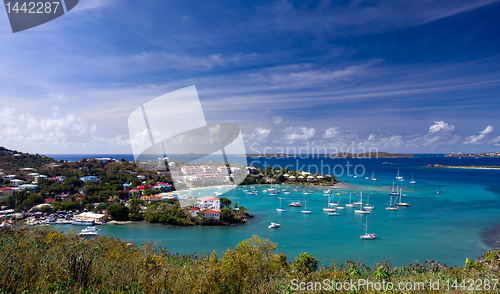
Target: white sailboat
391,207
360,200
333,203
395,193
308,192
280,209
412,181
305,208
398,177
368,206
338,204
373,177
367,236
327,206
350,204
361,210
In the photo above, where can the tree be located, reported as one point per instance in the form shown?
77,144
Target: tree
118,212
225,202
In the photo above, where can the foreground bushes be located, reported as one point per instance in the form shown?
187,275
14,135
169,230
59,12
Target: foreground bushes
45,261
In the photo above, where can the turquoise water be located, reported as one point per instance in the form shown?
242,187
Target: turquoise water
447,226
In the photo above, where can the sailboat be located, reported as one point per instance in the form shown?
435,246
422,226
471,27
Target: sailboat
305,208
360,210
398,177
295,204
327,192
327,206
367,236
360,200
391,207
350,204
412,181
395,193
281,209
373,177
333,203
338,192
308,192
368,206
338,204
400,196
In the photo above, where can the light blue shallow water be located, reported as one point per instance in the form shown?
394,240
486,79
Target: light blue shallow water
445,226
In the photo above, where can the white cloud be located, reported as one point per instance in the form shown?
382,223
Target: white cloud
441,126
277,120
496,141
59,133
331,132
259,134
299,133
476,139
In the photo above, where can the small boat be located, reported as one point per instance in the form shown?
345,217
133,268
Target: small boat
361,210
295,204
394,193
399,177
400,196
327,205
412,181
273,225
89,231
334,213
287,192
305,208
367,236
296,190
373,177
327,191
368,206
218,193
360,200
367,178
338,193
265,191
280,209
350,204
308,192
391,207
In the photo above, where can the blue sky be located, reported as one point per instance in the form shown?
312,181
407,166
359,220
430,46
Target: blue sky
401,76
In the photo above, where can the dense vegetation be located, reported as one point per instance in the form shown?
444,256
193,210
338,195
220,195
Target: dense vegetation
277,175
46,261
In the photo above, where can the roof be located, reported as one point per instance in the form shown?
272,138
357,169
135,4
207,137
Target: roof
211,211
195,208
208,198
49,200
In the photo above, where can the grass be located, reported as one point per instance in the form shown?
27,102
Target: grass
46,261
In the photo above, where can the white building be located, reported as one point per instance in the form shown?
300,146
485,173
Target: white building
26,169
9,177
16,182
32,176
141,177
209,202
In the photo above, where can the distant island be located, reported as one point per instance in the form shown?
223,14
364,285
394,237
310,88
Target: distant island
341,155
482,154
465,166
371,155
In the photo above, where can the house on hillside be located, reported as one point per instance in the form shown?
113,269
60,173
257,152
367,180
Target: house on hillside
90,178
